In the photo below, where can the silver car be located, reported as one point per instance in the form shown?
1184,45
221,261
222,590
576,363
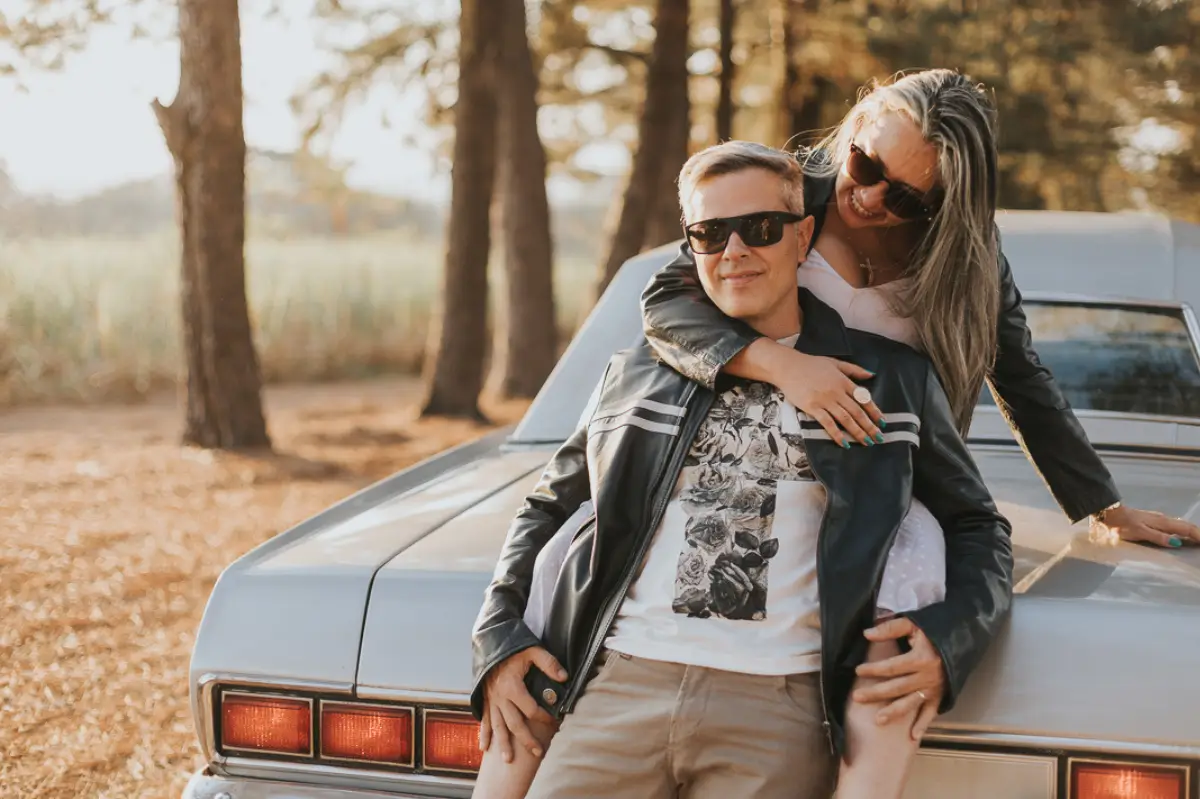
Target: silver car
334,660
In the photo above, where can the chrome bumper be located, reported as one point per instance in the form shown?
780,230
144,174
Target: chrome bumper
206,785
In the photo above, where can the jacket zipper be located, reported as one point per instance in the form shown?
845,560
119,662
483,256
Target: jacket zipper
825,723
600,633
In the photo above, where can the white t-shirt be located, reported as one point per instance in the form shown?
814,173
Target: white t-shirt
730,579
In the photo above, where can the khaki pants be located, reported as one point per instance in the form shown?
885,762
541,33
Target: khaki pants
645,729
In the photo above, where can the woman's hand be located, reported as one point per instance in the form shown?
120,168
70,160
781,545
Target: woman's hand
821,387
1151,527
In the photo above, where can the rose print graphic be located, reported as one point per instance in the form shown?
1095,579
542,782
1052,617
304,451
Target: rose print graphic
728,489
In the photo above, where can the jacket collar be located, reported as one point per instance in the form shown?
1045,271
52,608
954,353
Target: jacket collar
823,332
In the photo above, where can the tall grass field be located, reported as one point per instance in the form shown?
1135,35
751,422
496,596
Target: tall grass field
98,319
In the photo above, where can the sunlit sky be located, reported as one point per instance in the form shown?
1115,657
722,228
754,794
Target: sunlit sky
90,125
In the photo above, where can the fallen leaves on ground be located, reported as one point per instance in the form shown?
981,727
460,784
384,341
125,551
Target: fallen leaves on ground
112,535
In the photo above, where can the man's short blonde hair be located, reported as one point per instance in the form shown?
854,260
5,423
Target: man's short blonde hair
736,156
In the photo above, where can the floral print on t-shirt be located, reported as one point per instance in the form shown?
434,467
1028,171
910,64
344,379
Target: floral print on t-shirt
727,489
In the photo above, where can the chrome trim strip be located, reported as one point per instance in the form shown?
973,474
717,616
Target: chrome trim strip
206,729
412,738
1094,746
266,695
1193,326
425,712
412,696
343,777
1185,769
1116,416
991,446
1056,297
1123,416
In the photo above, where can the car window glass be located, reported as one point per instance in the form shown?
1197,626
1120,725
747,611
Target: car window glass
1125,359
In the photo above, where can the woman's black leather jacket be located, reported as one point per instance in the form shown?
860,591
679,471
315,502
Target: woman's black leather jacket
691,334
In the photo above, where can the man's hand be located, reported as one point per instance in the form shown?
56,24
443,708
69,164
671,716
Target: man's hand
1151,527
507,704
914,682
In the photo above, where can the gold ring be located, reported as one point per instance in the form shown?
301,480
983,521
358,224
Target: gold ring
861,395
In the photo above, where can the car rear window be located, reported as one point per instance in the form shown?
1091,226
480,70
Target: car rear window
1124,359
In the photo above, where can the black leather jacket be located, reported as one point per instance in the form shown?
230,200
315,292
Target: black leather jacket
691,334
630,468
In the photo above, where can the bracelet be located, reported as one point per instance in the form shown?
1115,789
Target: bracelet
1099,516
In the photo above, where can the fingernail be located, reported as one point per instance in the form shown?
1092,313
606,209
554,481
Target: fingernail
1175,541
883,423
879,437
868,443
845,444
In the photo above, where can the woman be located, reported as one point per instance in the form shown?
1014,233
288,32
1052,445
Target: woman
904,191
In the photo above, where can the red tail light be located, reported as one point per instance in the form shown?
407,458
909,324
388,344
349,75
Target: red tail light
374,733
1099,780
451,741
266,723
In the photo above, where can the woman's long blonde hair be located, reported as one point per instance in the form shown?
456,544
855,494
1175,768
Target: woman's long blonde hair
954,288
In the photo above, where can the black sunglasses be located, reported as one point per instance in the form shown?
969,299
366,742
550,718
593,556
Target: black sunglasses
900,198
760,229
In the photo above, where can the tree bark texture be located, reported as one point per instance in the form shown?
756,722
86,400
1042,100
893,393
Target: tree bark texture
203,129
458,338
791,91
809,118
724,122
657,153
526,342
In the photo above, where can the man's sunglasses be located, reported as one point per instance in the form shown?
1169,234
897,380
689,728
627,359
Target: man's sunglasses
760,229
900,198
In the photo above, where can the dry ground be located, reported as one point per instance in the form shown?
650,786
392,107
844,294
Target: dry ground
111,538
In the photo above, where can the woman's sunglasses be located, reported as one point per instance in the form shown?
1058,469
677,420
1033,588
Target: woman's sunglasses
760,229
900,198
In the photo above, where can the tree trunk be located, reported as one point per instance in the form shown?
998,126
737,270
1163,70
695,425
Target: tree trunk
664,225
526,345
458,338
725,86
790,94
657,129
812,96
807,117
203,129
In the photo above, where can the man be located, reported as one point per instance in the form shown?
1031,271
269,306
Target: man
722,670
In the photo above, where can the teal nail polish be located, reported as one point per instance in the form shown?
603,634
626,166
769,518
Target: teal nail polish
845,444
870,443
879,437
1175,541
883,424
